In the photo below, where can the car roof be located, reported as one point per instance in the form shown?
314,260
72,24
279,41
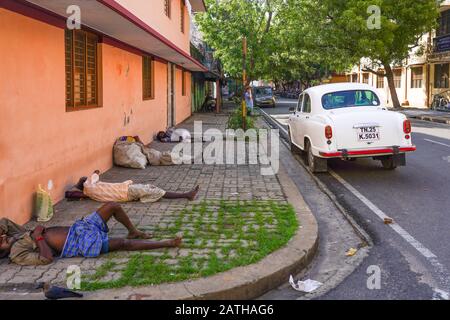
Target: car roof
316,93
334,87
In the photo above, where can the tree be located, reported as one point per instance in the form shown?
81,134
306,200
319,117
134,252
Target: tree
226,22
345,28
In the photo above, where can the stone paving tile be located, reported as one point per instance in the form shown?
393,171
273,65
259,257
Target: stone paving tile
221,181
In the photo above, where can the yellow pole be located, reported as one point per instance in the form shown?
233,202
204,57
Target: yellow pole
244,82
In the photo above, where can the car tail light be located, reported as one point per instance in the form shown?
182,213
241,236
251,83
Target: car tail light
407,127
328,132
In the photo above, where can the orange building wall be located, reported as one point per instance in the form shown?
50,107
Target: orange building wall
39,140
155,17
183,103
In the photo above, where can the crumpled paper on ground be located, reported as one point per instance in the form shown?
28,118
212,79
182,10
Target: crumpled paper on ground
307,286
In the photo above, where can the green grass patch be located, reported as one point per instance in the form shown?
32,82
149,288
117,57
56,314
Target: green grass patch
242,238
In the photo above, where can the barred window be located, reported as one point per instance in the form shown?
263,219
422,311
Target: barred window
416,77
148,86
366,78
81,69
441,75
398,78
167,7
380,82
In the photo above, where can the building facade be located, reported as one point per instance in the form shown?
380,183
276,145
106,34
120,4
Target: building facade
67,94
422,76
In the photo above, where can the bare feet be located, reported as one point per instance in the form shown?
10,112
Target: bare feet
139,235
177,241
192,194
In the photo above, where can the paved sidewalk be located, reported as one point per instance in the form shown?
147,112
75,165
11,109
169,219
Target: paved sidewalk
428,115
225,189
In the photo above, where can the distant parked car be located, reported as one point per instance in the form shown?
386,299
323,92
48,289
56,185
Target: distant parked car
264,97
348,121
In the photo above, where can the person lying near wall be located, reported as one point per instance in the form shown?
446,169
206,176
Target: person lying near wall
155,157
126,191
87,237
173,135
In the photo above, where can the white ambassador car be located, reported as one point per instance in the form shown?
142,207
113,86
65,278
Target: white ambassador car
348,121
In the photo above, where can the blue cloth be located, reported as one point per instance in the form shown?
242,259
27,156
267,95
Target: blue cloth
248,100
86,238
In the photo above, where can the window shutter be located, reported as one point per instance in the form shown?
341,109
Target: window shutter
69,67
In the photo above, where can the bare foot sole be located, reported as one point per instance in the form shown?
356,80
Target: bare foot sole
193,193
177,242
139,235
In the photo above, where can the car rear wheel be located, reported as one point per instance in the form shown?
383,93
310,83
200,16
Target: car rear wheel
315,164
293,147
388,163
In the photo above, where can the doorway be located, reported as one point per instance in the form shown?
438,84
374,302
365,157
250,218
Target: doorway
170,95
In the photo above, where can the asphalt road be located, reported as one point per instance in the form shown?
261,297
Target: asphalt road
412,255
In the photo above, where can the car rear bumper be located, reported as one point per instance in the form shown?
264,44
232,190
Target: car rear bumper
367,152
265,103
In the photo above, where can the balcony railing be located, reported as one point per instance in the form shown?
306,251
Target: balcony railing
205,57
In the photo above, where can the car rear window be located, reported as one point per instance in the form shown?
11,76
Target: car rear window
350,99
263,91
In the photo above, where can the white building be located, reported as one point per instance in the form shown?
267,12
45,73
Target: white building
420,77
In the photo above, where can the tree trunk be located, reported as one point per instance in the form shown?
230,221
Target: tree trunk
392,89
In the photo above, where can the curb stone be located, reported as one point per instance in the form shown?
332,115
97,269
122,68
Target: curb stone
242,283
431,119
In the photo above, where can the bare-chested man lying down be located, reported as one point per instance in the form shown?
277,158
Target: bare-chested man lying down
87,237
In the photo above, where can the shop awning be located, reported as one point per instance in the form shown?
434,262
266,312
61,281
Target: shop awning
112,19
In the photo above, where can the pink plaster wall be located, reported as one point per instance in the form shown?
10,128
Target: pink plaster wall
39,140
183,103
152,13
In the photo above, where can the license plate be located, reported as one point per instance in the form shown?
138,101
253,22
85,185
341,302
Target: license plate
368,134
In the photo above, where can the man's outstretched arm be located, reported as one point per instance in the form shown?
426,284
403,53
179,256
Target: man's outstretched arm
44,250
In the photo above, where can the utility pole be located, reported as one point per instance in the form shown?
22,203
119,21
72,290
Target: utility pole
244,82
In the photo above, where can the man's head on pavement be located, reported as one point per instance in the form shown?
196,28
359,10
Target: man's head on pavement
5,245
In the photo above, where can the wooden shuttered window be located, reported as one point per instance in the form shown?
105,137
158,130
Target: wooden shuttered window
183,83
380,82
398,78
81,70
416,77
182,20
167,7
148,85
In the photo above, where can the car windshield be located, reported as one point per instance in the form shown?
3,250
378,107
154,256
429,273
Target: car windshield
350,98
261,92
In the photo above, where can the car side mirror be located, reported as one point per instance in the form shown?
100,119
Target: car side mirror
292,109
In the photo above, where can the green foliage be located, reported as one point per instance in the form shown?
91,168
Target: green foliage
236,120
246,232
337,35
305,39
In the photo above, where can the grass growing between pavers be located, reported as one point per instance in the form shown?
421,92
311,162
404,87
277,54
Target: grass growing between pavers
217,236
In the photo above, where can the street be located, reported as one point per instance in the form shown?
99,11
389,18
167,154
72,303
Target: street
412,254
